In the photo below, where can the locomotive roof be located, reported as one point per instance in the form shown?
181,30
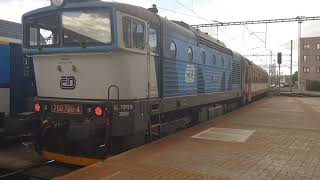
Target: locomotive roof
137,11
144,14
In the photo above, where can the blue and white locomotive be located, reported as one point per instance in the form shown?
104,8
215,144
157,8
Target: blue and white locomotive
108,74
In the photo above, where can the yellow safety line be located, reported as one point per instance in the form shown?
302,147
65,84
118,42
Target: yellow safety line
80,161
4,42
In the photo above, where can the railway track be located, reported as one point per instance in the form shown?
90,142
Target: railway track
18,162
44,171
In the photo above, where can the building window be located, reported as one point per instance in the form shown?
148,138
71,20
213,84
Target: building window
304,58
203,57
306,69
214,60
173,50
318,46
318,69
318,57
190,54
306,46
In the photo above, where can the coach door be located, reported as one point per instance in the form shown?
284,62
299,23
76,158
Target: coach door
153,60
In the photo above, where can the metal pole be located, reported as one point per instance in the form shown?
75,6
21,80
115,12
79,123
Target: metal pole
265,37
291,69
217,32
299,59
279,79
271,68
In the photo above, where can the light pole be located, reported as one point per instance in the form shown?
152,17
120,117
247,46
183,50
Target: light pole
291,83
301,18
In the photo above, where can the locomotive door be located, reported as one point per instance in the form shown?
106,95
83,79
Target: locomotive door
153,60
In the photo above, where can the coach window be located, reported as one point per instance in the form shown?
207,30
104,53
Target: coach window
133,33
203,57
190,54
173,50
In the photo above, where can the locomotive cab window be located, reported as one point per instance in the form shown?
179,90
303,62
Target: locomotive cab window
33,36
47,37
133,33
153,40
190,54
172,50
42,31
86,27
69,28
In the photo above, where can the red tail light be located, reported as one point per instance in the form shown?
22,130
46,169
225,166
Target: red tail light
98,111
37,107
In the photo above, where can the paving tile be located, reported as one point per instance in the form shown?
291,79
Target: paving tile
285,145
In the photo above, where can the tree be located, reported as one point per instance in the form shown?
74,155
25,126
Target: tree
295,77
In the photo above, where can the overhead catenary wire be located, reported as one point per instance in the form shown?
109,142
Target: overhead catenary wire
181,4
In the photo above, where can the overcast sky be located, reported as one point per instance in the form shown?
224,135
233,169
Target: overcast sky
238,38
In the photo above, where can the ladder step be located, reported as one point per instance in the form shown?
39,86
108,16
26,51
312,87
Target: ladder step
155,125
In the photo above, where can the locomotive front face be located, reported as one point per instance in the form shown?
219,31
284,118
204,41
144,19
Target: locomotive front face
86,61
74,56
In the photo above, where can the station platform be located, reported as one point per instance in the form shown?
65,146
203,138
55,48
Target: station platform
301,93
274,138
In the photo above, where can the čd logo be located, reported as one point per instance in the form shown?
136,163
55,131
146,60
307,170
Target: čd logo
68,82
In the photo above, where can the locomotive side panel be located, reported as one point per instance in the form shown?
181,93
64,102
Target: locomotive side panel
208,70
178,71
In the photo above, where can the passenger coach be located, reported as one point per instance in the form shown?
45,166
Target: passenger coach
110,74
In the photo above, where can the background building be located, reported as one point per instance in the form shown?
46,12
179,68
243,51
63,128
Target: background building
10,31
309,62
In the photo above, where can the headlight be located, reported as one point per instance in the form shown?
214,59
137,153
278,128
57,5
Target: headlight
57,2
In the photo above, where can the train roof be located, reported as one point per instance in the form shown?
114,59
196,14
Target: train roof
10,30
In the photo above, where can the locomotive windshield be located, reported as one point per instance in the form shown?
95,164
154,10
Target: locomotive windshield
70,29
